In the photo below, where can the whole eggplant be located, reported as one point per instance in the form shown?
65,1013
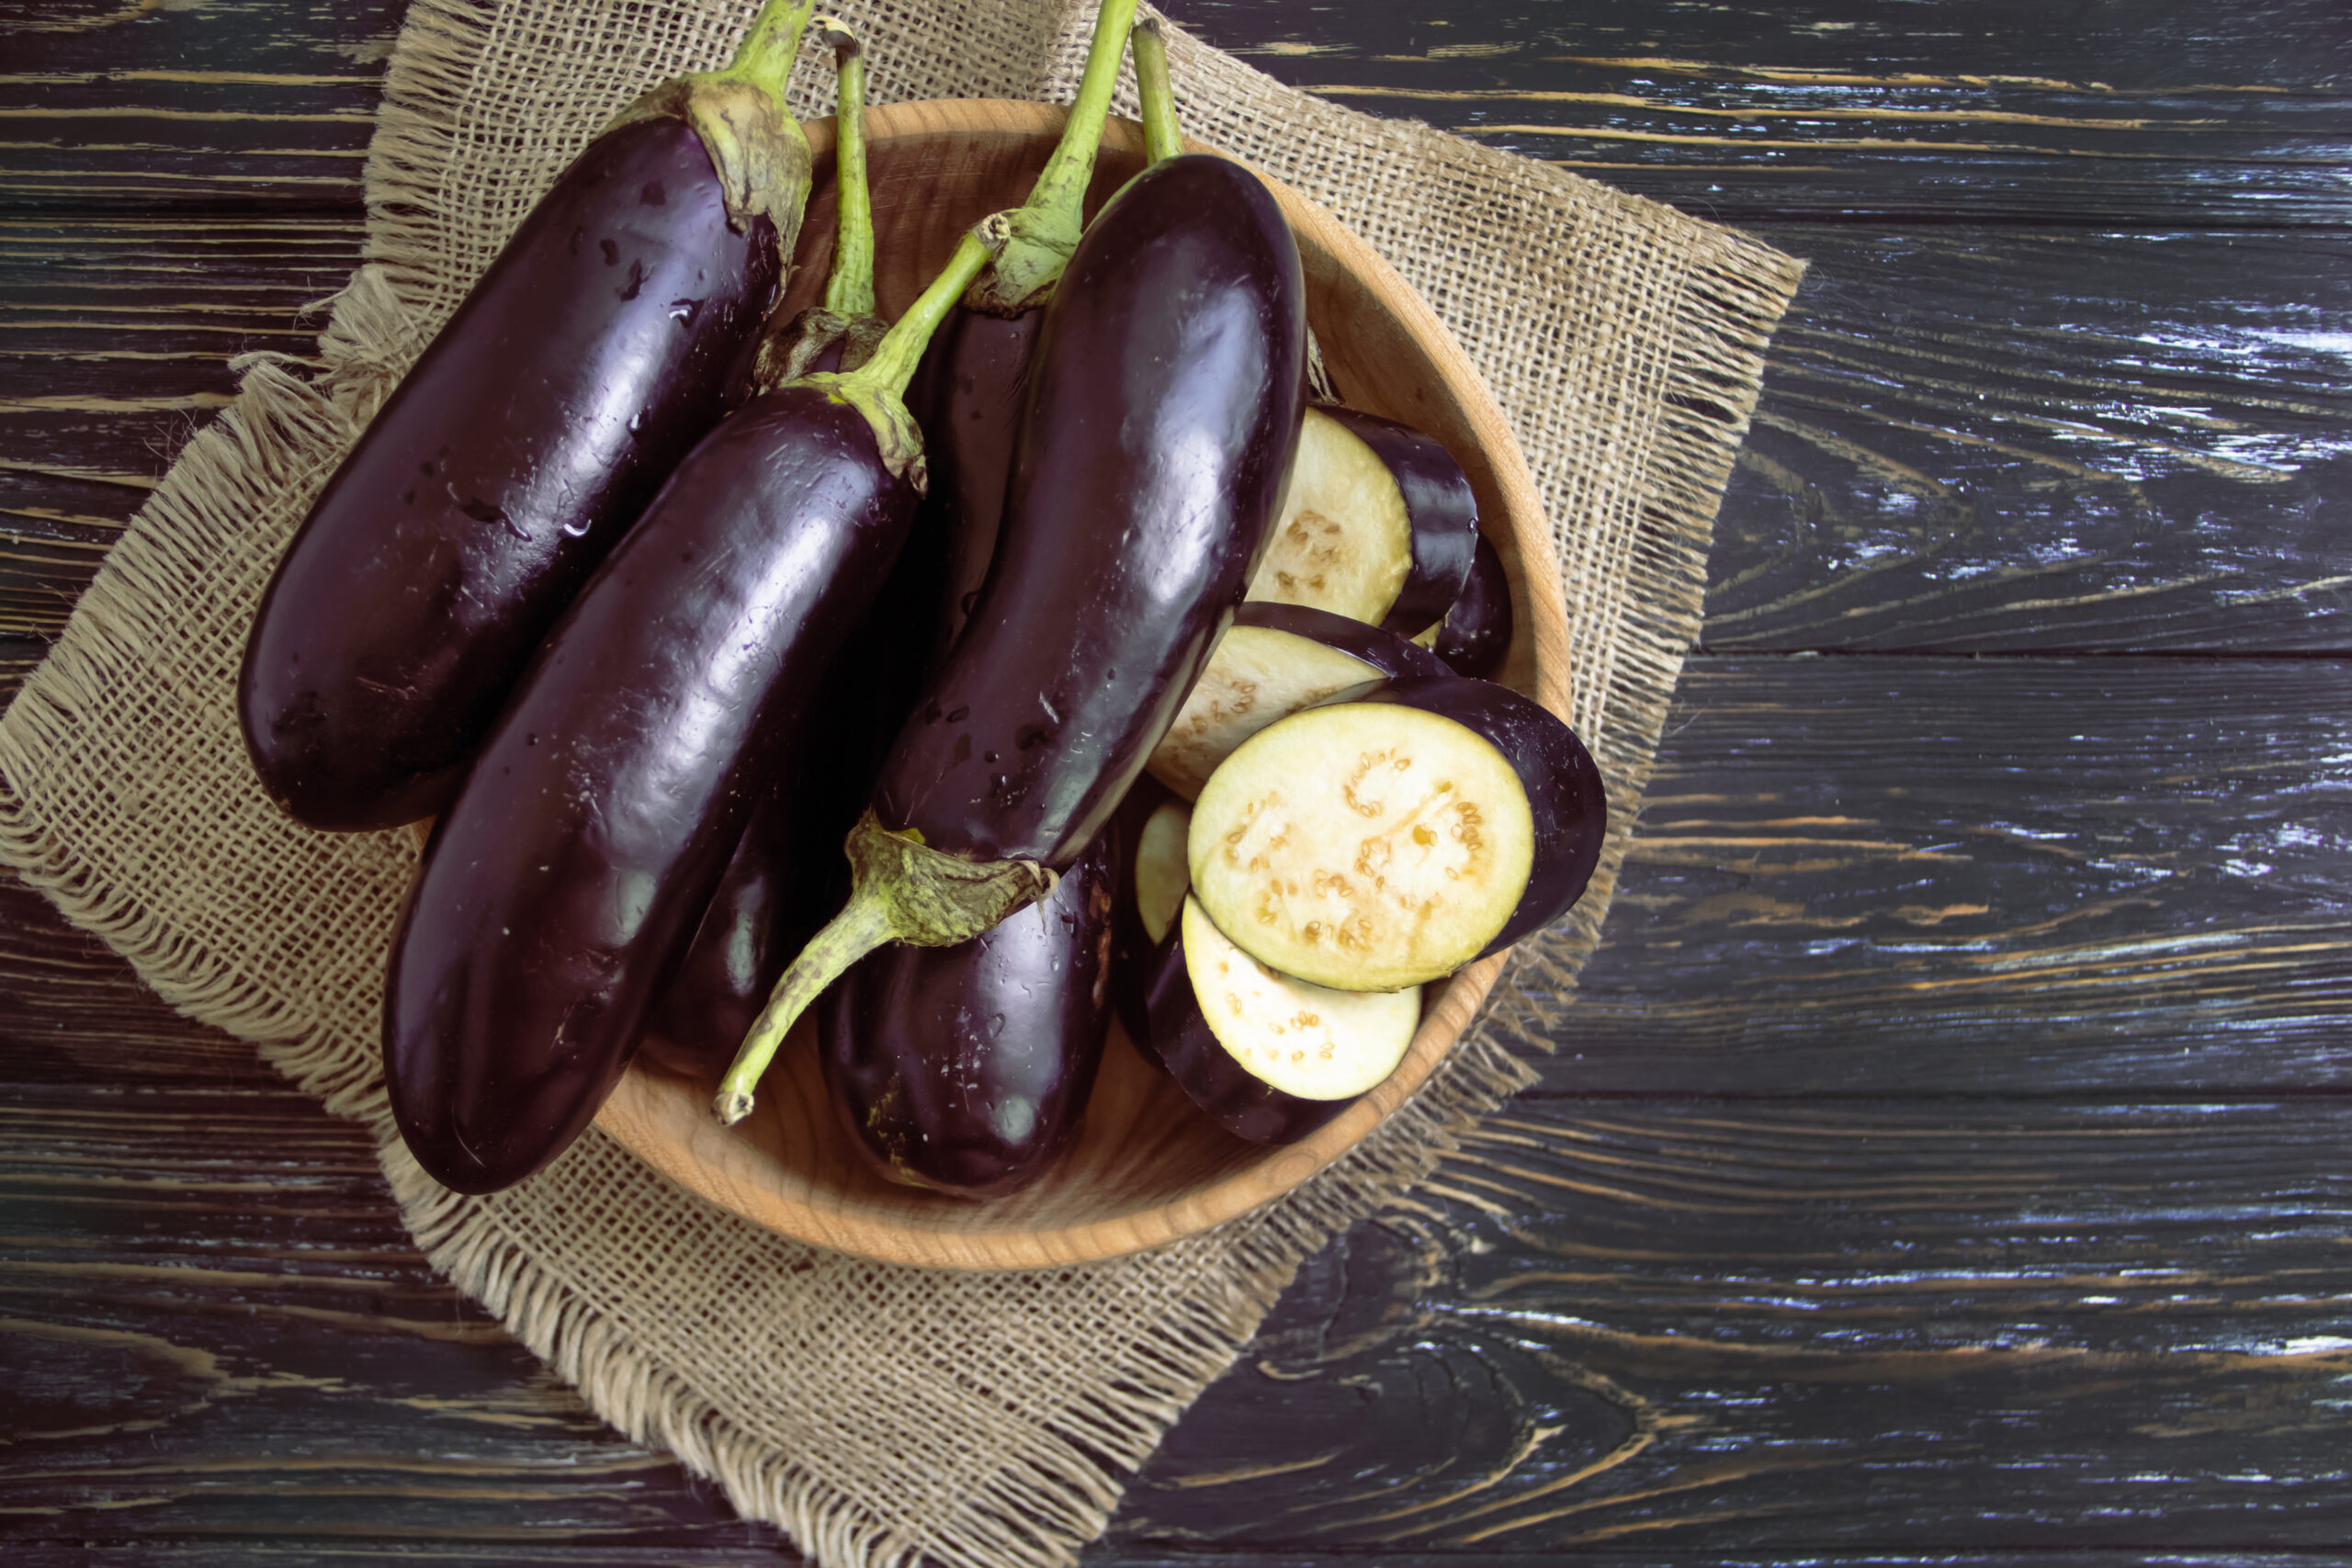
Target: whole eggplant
561,883
966,1069
1164,408
1162,412
607,338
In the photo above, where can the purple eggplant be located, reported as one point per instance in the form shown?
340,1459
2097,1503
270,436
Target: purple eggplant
786,874
966,1069
607,338
1149,831
1164,412
562,883
1475,633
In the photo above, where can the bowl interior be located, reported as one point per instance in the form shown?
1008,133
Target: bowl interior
1147,1168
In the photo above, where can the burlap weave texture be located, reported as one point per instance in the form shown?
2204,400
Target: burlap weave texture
887,1414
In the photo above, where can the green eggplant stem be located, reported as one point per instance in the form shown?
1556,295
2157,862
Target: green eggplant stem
901,890
1045,229
877,388
764,57
850,290
1162,136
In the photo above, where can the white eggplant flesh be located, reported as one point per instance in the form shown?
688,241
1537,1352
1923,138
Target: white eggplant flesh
1366,846
1255,677
1306,1041
1343,541
1162,876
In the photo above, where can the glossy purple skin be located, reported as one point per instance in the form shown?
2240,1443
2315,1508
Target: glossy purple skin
1234,1097
1163,412
1562,784
967,396
605,340
562,883
1475,633
789,876
966,1069
1439,507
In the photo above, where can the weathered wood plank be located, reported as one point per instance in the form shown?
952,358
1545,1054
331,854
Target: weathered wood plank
1704,1330
1977,439
2169,117
1963,876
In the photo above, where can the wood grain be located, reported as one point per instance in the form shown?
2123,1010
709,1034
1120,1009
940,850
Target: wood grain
1964,1190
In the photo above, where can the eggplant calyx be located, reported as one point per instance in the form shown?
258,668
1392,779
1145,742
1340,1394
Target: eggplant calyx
1045,230
901,890
756,147
877,388
788,353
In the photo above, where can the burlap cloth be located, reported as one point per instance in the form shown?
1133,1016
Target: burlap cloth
877,1414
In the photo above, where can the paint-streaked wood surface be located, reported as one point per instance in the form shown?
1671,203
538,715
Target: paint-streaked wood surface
1946,1156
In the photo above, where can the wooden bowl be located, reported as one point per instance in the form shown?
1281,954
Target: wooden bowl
1147,1168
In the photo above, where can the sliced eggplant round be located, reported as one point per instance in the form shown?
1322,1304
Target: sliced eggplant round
1397,832
1274,660
1475,633
1268,1056
1378,525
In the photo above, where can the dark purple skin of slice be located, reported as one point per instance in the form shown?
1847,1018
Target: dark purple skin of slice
561,885
1439,505
1163,412
607,338
1234,1097
1475,633
1385,650
966,1069
1562,784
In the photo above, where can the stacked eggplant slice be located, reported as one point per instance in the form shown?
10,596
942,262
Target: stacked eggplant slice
768,680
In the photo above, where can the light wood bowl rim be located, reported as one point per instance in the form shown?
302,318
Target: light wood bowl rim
665,1122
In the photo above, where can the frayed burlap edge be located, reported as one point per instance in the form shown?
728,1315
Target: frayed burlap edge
283,433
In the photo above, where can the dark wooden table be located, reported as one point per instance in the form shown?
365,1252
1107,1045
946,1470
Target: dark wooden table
1949,1155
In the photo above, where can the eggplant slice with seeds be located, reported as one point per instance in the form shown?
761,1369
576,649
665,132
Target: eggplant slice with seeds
1397,832
1379,525
1274,661
1270,1057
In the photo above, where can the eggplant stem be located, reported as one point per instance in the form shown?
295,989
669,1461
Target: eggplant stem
1045,229
1163,137
877,388
861,927
901,890
764,57
850,290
